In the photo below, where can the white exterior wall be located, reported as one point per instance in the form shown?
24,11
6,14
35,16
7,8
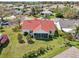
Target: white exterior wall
40,31
57,25
67,30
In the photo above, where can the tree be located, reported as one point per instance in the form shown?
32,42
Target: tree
57,10
77,31
77,16
69,12
68,36
59,15
33,11
18,20
1,29
16,28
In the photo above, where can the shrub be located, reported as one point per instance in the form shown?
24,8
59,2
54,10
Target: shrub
61,33
42,50
36,53
25,56
16,29
68,44
56,33
25,33
29,39
1,27
2,30
20,38
49,48
68,36
31,54
59,15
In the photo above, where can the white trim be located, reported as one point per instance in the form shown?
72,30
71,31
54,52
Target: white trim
40,31
67,29
57,25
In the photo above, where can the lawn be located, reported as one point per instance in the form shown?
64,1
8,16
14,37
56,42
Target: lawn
75,43
16,49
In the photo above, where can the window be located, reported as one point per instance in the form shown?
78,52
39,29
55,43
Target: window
40,35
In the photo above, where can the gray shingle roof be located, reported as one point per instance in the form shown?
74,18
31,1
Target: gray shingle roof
68,23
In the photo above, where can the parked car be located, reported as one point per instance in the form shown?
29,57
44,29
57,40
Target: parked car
4,23
4,39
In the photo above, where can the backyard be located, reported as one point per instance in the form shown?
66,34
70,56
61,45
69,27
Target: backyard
16,49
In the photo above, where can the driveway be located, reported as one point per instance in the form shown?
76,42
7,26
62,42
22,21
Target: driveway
72,52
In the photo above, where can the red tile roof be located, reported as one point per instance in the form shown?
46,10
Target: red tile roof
34,25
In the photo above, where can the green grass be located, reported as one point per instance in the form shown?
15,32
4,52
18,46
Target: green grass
16,49
75,43
53,53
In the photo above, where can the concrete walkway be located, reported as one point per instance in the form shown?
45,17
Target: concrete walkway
72,52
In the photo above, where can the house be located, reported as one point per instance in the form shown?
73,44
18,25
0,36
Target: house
66,25
38,28
29,12
10,17
17,12
46,13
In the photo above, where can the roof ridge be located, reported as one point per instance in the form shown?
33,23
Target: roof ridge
40,25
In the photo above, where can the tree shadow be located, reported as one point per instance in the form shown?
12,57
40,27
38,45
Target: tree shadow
3,46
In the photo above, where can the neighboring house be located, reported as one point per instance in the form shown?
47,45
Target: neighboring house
66,25
46,13
38,28
28,12
10,17
17,12
18,7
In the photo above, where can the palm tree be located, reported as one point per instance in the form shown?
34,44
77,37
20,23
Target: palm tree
29,39
33,11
